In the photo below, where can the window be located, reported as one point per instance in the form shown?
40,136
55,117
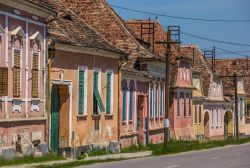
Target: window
97,101
200,114
151,102
124,104
185,106
108,93
3,81
161,102
35,75
217,116
81,91
16,73
212,117
195,114
131,91
178,105
190,104
156,102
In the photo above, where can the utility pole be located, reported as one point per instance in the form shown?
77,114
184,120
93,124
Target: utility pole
175,32
236,106
167,86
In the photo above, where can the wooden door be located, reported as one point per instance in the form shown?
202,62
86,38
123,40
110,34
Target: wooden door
55,109
140,120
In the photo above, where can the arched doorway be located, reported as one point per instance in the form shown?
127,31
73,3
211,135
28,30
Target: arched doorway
228,124
206,125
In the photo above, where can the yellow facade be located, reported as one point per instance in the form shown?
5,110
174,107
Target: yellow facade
198,109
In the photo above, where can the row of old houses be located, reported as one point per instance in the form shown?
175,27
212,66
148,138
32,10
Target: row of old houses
75,76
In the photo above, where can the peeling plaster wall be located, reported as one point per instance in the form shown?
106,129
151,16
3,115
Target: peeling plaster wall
83,127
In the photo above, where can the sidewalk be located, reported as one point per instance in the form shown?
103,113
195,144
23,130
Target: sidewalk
92,158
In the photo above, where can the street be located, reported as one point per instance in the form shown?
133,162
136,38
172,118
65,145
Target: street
225,157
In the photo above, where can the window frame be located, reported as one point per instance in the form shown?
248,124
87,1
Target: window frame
85,86
111,73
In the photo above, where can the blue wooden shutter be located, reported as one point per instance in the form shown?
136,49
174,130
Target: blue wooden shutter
161,99
97,94
108,93
81,93
131,103
151,102
124,104
156,102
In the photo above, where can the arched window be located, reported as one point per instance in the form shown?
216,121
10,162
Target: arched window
17,37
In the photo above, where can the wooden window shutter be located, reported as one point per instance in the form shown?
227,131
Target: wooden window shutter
108,94
16,74
16,82
81,93
35,75
131,93
124,104
151,102
97,94
3,81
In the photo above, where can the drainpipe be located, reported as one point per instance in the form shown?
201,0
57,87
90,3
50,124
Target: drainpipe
118,107
51,54
119,89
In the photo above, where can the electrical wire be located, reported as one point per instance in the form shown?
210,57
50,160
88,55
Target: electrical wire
214,40
232,52
181,17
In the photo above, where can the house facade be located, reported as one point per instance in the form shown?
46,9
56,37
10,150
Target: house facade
134,83
155,67
214,110
84,84
239,67
23,75
198,106
181,99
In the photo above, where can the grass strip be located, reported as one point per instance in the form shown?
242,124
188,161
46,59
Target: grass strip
30,159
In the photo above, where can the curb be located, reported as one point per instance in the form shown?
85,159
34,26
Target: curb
121,155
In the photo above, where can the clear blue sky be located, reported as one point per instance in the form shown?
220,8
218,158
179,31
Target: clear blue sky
210,9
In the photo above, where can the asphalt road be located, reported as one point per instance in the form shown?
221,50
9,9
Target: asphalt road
224,157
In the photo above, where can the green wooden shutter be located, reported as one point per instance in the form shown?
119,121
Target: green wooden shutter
108,94
97,94
81,93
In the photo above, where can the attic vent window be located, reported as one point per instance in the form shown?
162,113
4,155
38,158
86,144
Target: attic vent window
17,12
234,63
34,17
67,17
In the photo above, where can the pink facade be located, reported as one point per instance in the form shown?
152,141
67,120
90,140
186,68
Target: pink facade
22,113
128,107
146,124
156,111
214,111
181,115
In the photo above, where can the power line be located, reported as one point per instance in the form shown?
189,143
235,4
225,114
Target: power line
232,52
214,40
181,17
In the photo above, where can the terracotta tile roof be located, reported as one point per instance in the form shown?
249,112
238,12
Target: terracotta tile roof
229,67
104,20
160,35
42,3
68,28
